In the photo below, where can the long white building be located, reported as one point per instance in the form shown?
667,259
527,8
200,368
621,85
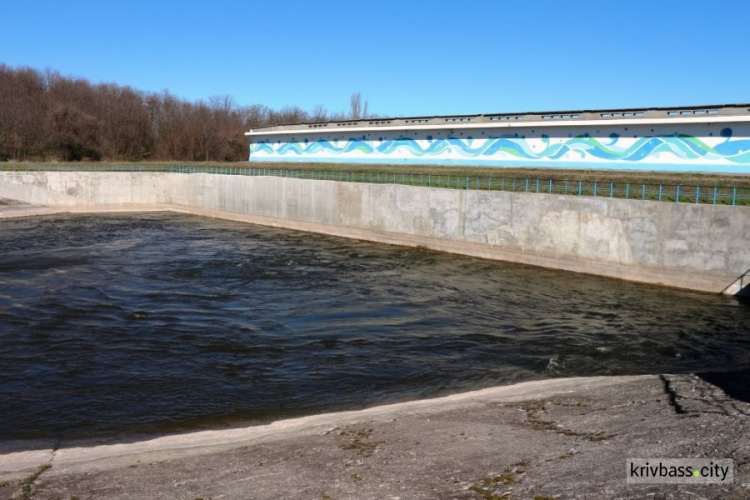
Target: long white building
697,139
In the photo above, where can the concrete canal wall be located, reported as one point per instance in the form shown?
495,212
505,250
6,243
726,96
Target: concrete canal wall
699,247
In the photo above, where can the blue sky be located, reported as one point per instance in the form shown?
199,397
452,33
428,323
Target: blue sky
405,57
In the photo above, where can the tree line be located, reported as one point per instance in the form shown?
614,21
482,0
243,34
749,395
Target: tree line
46,116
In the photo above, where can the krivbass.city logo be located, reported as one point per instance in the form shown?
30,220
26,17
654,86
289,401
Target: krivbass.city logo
680,470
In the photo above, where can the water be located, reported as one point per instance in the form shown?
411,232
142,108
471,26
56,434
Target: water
149,323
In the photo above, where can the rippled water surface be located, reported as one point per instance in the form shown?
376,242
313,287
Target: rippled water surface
124,323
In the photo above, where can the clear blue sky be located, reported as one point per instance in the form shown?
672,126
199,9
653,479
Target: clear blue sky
405,57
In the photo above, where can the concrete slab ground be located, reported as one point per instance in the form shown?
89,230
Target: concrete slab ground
560,438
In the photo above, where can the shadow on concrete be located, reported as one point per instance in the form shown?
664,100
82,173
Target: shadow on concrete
735,384
11,202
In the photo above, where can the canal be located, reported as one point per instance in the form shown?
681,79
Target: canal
119,324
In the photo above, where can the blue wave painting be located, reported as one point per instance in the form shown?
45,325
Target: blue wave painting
684,147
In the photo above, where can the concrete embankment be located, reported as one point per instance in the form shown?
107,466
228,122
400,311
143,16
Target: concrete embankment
564,438
699,247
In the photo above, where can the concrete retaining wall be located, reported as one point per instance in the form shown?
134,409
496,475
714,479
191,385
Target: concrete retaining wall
699,247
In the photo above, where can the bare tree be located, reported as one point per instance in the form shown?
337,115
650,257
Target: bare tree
223,103
23,109
357,109
319,114
48,115
254,116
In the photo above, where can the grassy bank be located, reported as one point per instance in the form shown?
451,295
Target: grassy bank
632,176
717,189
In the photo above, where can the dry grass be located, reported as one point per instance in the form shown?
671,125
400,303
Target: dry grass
685,179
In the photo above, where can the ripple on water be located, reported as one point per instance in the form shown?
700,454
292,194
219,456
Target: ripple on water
125,323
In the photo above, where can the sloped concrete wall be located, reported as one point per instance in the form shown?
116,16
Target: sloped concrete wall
699,247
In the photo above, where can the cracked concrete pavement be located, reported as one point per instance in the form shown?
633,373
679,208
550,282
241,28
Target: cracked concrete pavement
560,438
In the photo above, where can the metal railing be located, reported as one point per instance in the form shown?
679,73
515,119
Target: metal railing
677,193
741,286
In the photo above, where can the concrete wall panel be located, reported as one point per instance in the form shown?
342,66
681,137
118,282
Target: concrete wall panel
703,247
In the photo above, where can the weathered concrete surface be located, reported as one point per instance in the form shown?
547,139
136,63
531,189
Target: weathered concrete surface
699,247
566,438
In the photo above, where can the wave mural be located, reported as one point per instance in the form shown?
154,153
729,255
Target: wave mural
583,147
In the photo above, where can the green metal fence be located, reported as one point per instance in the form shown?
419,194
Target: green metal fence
705,194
